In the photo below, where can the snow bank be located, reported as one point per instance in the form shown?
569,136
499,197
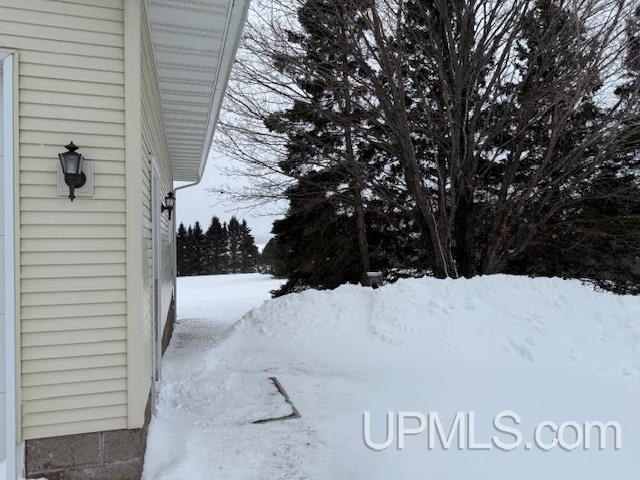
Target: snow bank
547,349
535,321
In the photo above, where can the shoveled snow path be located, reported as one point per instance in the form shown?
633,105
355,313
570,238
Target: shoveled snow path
206,410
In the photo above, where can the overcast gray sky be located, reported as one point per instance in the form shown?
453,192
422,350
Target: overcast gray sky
196,203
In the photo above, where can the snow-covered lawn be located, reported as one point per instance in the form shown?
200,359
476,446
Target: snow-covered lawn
546,349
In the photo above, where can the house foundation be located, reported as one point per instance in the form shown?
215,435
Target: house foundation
110,455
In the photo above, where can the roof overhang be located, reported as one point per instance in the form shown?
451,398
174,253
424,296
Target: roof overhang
194,44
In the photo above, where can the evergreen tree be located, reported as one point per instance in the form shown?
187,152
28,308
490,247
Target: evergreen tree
181,249
215,251
325,152
197,254
318,244
224,249
217,247
272,259
249,253
189,258
235,238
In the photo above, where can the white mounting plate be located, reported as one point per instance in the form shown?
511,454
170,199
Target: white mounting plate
86,190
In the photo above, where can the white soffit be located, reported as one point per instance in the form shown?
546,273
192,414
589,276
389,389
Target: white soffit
194,44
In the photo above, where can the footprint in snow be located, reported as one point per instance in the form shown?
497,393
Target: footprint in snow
521,350
539,330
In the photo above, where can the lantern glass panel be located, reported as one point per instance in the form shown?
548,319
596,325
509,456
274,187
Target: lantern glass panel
72,159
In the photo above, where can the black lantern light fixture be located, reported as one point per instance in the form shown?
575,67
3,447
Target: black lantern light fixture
71,162
169,203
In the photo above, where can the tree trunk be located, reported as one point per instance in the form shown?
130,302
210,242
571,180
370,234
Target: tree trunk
354,172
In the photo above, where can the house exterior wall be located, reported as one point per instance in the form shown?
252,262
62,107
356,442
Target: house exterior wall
86,301
72,323
155,150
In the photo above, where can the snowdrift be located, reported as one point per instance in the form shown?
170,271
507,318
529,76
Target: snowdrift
532,321
546,349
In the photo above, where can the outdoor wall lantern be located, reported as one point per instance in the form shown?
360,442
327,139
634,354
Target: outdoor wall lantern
71,162
169,203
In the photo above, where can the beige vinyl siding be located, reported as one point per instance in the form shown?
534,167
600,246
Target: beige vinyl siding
154,144
72,255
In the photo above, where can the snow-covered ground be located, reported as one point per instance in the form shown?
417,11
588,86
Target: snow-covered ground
547,349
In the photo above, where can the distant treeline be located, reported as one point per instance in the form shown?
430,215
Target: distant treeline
223,248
